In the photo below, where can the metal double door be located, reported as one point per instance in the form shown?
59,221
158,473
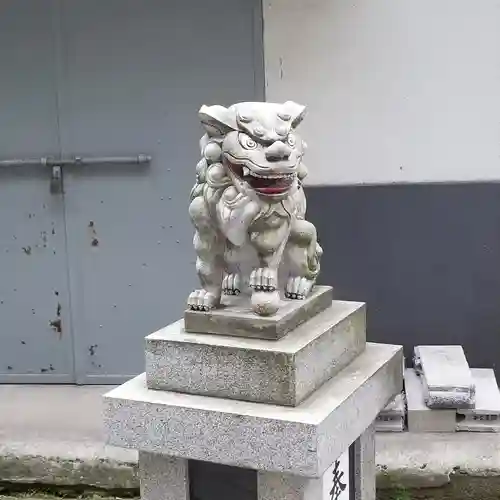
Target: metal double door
95,248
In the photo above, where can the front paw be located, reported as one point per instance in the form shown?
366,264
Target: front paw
231,284
297,288
264,279
201,300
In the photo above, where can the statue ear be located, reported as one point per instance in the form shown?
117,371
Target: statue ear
217,120
296,111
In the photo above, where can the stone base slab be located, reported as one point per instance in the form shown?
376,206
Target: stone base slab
235,317
485,416
446,376
421,418
304,440
282,372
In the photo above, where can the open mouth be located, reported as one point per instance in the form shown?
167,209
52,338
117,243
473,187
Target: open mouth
265,184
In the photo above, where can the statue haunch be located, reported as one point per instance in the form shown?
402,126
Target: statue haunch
248,207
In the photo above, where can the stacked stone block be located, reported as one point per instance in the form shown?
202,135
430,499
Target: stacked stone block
445,395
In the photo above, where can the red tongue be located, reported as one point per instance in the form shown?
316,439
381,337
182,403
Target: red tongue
270,186
272,190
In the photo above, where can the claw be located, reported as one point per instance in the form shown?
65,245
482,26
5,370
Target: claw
264,279
231,284
298,288
201,300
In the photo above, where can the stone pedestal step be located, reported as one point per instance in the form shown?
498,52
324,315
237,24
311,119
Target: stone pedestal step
304,440
446,376
236,318
282,372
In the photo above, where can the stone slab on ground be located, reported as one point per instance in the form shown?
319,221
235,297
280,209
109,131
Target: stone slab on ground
446,376
485,416
237,318
304,440
282,372
420,417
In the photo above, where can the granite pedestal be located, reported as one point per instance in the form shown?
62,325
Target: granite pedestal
282,372
308,432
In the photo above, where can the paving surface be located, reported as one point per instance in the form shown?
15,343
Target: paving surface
53,435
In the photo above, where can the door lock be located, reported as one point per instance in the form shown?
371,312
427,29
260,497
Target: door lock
56,181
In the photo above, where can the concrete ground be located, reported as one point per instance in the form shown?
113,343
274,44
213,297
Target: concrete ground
52,435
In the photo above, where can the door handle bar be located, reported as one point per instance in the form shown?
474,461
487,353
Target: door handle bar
76,160
56,165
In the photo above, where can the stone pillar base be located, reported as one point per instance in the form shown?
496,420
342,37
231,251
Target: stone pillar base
162,477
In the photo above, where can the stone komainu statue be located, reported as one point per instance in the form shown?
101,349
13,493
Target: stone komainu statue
248,207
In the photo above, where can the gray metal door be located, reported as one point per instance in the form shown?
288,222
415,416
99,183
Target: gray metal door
88,272
135,75
35,336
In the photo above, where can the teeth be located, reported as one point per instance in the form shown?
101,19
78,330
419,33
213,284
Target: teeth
246,171
271,176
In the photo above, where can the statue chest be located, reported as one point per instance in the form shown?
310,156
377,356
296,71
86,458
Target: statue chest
270,220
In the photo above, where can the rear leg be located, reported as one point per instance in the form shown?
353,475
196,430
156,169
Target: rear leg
303,255
209,261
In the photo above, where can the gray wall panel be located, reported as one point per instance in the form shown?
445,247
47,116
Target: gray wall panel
424,257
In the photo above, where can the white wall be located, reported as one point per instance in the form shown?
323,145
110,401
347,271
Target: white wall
397,90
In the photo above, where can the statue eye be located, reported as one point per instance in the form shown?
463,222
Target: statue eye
244,118
247,142
291,140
